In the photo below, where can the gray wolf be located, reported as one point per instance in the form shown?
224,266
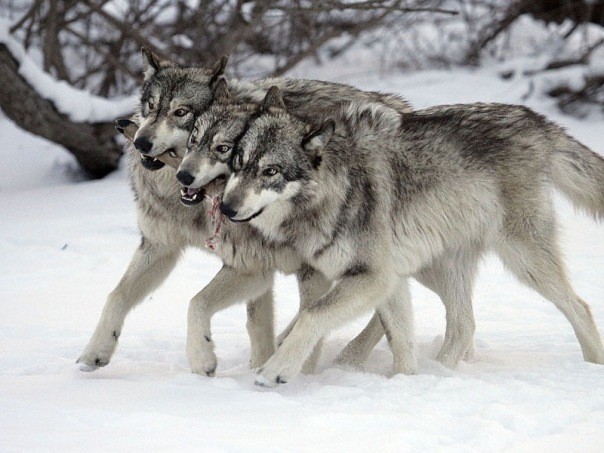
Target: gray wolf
171,97
167,228
207,160
369,196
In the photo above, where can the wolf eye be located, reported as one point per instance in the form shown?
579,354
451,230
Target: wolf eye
181,112
223,148
270,171
151,105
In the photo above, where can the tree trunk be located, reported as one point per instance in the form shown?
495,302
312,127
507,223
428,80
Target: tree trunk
93,144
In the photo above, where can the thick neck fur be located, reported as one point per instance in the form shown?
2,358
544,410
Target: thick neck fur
314,220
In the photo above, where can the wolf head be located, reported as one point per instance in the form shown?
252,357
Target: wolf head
128,127
171,99
275,162
211,143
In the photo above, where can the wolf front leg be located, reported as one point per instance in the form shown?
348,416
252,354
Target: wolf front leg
228,287
396,318
148,268
261,328
312,284
346,300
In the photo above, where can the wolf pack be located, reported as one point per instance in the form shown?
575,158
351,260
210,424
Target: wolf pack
353,192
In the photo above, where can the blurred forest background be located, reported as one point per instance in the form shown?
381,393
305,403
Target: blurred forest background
94,46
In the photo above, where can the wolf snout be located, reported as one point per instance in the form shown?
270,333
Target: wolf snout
143,145
227,210
185,178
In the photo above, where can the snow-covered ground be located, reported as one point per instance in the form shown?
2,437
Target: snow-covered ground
64,244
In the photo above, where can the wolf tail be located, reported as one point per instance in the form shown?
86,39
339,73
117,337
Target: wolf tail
578,173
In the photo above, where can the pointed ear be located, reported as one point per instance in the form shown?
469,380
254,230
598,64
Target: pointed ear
218,69
273,100
221,92
127,127
152,63
317,140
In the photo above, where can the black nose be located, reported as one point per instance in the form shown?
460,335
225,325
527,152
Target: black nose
185,178
227,210
143,145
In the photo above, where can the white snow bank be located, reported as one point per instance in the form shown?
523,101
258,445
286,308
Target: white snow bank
78,105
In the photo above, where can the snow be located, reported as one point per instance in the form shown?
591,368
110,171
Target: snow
78,105
65,244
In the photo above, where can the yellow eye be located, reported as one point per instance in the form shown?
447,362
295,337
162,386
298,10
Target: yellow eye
223,148
151,105
181,112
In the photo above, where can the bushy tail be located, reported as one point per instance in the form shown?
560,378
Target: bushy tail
578,173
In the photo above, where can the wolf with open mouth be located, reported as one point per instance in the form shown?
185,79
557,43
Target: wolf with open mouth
171,98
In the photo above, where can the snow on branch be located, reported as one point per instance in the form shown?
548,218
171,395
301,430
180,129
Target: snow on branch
78,105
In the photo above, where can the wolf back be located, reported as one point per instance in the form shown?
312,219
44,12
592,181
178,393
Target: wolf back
391,192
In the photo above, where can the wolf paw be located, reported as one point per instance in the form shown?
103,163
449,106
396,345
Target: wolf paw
98,353
271,376
206,368
261,381
89,364
202,361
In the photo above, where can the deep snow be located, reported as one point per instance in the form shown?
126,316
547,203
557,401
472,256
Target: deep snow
65,244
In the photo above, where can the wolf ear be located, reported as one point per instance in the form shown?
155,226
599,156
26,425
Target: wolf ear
127,128
221,92
193,136
152,63
273,100
317,140
217,70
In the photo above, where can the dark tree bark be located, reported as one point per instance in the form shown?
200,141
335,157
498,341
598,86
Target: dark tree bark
560,10
93,144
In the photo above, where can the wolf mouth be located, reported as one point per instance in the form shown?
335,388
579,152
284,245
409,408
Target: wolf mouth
253,216
151,163
155,163
192,196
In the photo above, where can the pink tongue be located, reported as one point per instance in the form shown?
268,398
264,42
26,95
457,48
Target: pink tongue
191,191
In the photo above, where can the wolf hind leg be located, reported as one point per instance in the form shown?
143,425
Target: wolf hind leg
358,349
452,277
148,268
536,261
